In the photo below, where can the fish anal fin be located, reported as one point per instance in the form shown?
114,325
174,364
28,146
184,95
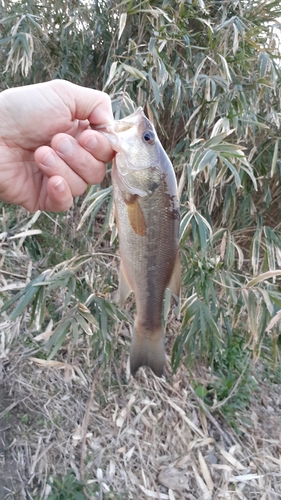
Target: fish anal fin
116,217
135,214
147,350
175,283
124,288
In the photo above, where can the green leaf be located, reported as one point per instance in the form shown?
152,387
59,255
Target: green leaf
75,331
60,335
6,39
266,298
233,171
201,391
217,139
136,73
28,295
83,323
204,159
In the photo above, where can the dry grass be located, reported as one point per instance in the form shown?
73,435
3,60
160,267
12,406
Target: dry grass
143,438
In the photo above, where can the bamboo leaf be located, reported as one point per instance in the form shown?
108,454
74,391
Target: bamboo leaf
217,139
273,321
75,331
122,24
60,337
263,277
111,75
233,171
84,325
255,257
29,294
225,68
185,223
274,158
207,157
136,73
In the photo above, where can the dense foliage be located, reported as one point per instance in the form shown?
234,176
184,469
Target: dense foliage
208,75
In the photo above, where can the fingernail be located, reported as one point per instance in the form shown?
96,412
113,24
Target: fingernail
49,160
59,186
65,146
91,143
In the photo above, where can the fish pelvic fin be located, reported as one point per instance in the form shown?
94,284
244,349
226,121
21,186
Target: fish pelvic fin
147,349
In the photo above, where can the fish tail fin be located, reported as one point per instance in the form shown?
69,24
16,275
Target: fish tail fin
147,350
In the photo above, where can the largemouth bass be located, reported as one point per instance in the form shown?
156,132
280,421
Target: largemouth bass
147,217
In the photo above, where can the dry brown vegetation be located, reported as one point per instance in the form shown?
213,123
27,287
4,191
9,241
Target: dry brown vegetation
143,438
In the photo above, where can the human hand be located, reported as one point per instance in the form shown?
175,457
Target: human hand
48,153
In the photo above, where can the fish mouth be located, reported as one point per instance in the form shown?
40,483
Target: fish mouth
124,124
129,121
112,129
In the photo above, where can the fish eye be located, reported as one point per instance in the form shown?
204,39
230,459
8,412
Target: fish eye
149,137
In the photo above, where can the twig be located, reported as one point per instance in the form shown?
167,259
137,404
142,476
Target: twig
86,423
13,274
37,459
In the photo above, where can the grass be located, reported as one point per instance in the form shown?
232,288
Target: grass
66,488
69,488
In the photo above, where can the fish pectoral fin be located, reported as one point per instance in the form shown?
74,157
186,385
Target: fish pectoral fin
175,284
147,350
135,215
124,288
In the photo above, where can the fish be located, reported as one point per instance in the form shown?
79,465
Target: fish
147,218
